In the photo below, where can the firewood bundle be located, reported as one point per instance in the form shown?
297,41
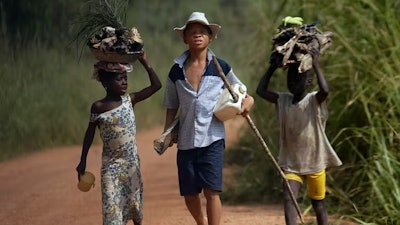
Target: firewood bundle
293,41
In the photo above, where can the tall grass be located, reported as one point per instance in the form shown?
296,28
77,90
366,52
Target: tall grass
374,138
39,110
362,69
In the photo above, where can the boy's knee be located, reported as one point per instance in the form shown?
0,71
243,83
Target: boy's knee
286,196
191,198
294,187
211,194
318,204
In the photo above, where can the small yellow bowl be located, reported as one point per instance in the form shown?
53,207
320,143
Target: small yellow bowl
86,181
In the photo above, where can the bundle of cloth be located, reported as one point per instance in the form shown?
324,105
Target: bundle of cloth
294,39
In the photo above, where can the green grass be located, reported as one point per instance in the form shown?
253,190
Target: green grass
362,70
40,102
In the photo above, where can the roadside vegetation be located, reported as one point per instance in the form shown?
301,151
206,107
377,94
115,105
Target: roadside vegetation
46,88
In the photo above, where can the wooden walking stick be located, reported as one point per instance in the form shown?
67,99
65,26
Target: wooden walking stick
254,128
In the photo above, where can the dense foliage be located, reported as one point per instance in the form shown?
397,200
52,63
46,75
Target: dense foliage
46,89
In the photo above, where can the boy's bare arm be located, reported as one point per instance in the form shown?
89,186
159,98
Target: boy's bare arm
323,92
262,88
169,117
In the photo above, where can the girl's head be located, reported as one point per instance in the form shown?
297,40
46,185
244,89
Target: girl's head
298,83
113,82
113,76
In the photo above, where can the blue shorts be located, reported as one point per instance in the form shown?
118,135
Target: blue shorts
201,168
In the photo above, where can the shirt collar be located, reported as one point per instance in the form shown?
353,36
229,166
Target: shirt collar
180,60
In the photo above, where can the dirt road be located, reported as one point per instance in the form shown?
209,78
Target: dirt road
40,189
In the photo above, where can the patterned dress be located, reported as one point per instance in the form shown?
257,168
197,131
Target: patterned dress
121,183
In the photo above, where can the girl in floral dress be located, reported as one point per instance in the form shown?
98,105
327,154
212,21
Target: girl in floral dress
121,183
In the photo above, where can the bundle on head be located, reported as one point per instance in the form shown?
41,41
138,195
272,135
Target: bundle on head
293,41
122,40
101,27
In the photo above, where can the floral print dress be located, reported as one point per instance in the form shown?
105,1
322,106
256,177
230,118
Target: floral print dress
121,183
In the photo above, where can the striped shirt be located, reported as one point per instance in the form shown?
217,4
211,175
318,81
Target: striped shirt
198,127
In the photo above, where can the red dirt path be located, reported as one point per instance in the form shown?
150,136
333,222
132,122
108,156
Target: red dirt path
40,189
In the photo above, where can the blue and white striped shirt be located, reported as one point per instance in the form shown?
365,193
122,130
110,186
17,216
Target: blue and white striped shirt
198,127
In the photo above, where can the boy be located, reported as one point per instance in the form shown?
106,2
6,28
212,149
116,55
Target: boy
193,85
305,151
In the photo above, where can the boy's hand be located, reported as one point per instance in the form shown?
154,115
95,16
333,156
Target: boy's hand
275,60
315,55
247,103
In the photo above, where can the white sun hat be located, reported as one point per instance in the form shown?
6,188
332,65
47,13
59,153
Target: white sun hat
199,17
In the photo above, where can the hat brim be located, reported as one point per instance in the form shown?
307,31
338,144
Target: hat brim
213,27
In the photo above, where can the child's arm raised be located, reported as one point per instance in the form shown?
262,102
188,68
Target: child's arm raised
155,83
323,92
262,88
